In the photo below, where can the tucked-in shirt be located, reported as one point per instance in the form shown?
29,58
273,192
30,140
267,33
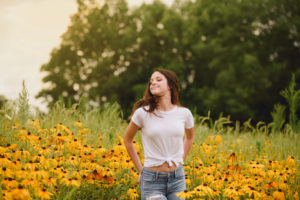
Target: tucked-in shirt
162,134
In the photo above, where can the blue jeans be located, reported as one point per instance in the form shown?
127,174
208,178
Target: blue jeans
162,185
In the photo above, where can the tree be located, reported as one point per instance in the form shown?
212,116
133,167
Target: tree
231,57
240,61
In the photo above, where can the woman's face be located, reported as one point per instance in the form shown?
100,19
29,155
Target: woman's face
159,84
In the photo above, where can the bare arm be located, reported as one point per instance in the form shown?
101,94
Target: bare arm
188,142
128,138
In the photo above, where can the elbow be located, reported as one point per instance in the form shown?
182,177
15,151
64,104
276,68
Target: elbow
127,141
190,137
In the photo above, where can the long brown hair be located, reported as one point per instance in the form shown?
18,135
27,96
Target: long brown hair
150,100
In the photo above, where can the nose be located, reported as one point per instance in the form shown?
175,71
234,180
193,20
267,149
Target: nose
153,83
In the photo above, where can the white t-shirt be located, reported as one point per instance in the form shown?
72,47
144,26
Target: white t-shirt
162,135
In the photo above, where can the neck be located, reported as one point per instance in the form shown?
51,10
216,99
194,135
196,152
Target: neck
165,103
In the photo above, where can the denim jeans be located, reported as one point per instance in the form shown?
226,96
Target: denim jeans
162,185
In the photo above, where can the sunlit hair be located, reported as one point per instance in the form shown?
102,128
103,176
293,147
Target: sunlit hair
151,100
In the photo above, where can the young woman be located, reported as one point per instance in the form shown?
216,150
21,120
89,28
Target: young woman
163,122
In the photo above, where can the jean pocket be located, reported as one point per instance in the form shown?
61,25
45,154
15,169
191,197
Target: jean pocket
180,174
146,176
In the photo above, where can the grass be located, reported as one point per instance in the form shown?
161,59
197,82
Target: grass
105,127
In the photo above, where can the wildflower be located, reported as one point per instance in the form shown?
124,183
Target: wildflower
50,181
218,139
4,162
35,124
270,185
185,194
22,131
78,124
18,193
39,174
30,182
99,151
251,191
10,183
290,161
278,195
16,125
71,182
83,131
119,148
132,193
296,196
44,194
231,193
7,171
203,190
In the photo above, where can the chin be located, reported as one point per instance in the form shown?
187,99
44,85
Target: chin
157,94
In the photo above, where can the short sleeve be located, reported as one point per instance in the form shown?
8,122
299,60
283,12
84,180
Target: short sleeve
137,117
189,121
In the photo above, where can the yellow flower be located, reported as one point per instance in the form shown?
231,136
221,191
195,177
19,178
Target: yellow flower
16,125
18,193
251,191
270,185
50,181
203,190
185,194
296,196
290,161
30,182
9,183
218,139
44,194
278,195
83,131
22,131
119,148
132,193
38,174
8,172
70,182
35,123
78,124
231,192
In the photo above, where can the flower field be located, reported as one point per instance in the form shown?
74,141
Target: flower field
65,162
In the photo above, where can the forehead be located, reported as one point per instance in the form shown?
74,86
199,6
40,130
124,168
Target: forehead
157,75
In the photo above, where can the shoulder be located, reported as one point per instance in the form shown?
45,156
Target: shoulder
142,110
184,110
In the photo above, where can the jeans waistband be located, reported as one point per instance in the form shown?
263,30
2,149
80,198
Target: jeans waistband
174,173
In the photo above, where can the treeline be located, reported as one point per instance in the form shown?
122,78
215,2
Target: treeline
232,57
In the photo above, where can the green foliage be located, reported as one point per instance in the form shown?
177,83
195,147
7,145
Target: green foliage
227,59
292,96
105,121
278,116
23,105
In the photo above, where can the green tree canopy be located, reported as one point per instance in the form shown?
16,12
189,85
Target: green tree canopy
231,57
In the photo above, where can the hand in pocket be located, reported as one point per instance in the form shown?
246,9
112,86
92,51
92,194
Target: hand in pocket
139,178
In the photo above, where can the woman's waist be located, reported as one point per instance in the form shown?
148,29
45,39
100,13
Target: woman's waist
165,167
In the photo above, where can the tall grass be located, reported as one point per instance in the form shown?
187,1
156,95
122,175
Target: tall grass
107,122
249,140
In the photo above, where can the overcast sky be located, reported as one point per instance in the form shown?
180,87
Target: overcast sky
29,30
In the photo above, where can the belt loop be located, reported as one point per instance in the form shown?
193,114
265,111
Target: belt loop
175,173
156,175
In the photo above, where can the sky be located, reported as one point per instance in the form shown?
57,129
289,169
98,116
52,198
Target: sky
29,30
